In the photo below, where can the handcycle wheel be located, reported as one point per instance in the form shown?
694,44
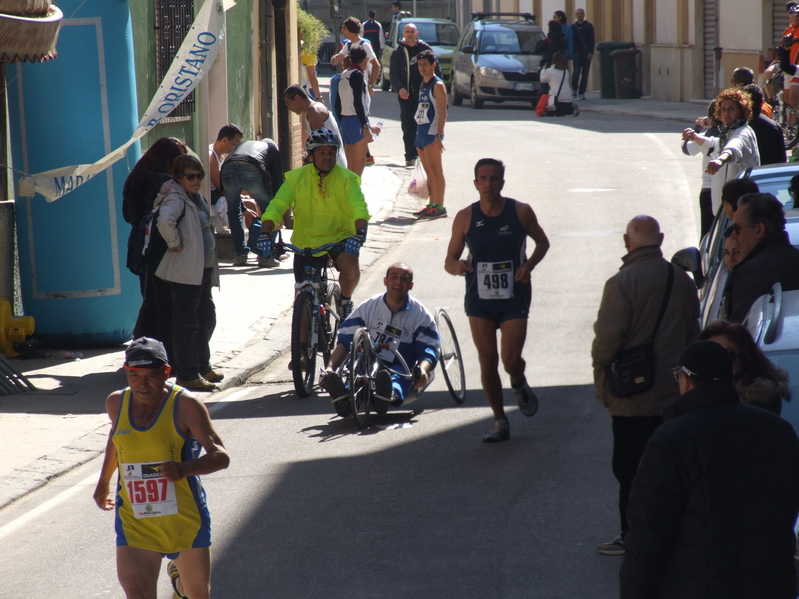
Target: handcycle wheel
303,352
361,365
331,324
451,361
790,132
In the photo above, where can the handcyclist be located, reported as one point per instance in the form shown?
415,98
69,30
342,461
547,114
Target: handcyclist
498,290
390,316
329,207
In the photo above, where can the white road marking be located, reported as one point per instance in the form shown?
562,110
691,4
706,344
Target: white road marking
47,505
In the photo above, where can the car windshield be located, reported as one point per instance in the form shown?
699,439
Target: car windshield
778,186
438,34
505,40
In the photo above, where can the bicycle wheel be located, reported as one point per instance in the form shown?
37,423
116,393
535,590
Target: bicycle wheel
790,126
360,377
451,362
303,351
331,324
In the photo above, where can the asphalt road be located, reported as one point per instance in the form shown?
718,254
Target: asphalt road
416,505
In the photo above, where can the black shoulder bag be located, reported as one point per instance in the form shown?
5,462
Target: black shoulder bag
633,370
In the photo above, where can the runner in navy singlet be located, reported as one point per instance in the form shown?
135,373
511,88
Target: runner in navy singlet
498,290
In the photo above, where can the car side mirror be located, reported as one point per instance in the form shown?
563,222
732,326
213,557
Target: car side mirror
690,260
468,49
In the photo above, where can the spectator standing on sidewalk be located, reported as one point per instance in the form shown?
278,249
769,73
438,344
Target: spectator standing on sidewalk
583,35
770,141
353,113
372,30
631,304
257,168
314,115
560,16
138,194
430,119
406,79
715,499
190,268
706,127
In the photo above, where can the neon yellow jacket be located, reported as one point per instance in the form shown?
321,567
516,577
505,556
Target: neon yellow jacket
320,215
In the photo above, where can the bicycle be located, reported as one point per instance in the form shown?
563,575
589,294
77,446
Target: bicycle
315,319
786,116
364,362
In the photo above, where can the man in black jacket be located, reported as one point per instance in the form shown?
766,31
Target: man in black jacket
770,142
768,256
254,166
712,507
583,36
406,79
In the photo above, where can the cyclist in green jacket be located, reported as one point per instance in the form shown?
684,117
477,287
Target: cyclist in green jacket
329,207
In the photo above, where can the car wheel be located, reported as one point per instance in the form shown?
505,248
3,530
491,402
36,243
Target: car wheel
457,98
476,102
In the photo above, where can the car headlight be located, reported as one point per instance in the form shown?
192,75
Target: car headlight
490,73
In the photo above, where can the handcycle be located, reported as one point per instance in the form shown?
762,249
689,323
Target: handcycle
364,362
785,115
315,319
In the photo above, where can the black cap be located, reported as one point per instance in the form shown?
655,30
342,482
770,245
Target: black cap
706,362
145,353
372,14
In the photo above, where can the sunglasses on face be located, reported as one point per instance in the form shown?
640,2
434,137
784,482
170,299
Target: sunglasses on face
738,228
193,176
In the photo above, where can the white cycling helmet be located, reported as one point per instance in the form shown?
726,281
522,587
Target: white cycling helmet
320,138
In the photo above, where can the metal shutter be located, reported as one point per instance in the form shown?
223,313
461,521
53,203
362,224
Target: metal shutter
779,19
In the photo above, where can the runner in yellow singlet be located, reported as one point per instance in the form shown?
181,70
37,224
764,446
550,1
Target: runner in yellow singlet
155,441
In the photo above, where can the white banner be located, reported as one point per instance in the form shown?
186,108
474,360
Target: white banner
191,64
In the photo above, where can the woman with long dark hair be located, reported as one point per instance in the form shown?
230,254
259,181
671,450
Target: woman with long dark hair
759,382
141,188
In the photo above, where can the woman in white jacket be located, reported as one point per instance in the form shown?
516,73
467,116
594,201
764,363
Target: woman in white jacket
190,267
735,149
560,91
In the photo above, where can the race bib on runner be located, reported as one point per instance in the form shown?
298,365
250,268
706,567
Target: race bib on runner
386,333
421,114
151,495
495,280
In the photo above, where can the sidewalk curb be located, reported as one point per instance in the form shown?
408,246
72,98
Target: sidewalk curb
256,354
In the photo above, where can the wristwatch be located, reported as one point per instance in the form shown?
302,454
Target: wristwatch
440,136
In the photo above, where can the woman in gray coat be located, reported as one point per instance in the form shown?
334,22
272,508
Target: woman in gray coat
190,267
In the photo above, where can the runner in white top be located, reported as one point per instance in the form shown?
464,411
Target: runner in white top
315,115
351,29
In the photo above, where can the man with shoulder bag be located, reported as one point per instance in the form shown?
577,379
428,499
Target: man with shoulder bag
649,313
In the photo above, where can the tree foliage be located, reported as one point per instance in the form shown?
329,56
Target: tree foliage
312,31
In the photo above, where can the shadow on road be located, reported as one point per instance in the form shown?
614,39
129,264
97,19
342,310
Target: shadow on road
439,515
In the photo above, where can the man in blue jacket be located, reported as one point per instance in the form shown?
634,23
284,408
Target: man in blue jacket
583,39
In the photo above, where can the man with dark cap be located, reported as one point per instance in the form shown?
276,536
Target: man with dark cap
157,432
714,502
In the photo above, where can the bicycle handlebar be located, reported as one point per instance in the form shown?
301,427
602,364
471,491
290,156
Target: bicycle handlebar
310,251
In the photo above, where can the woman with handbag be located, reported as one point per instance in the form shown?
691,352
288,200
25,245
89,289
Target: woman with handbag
559,101
190,268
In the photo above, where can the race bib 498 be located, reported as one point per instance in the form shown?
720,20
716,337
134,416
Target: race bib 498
495,280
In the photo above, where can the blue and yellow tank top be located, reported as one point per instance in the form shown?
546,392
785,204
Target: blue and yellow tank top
151,512
427,111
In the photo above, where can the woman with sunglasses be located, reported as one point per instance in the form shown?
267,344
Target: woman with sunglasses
190,267
759,382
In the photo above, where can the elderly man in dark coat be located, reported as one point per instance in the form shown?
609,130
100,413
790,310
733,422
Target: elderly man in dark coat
768,256
631,303
713,505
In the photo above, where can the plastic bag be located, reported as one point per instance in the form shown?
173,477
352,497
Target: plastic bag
418,185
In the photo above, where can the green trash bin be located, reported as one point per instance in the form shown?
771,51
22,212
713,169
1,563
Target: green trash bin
607,80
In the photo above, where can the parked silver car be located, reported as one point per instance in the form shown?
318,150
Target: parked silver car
495,60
